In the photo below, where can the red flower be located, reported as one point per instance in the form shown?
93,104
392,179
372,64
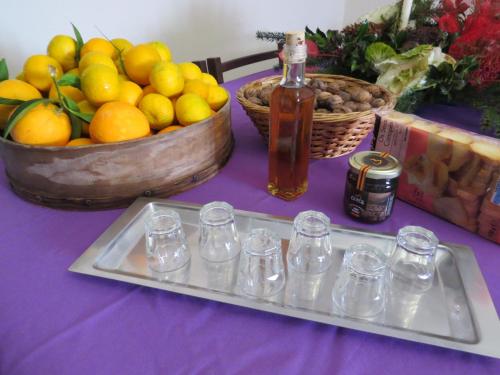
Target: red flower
312,48
480,37
449,23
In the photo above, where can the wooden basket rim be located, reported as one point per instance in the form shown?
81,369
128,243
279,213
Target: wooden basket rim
321,117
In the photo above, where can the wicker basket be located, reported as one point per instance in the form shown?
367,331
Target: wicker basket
333,134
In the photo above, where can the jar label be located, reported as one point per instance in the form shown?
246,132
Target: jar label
374,203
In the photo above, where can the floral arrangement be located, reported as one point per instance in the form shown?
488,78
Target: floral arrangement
424,51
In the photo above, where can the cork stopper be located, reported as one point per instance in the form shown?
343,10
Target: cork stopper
295,49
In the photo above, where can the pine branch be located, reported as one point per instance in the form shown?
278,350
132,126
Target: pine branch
271,36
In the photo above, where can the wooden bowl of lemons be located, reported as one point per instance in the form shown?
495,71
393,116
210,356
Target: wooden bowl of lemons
107,138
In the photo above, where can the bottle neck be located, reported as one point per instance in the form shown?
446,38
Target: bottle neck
293,75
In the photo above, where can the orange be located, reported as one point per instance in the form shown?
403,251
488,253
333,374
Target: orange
63,49
191,108
37,73
130,92
117,122
69,91
15,89
100,84
196,86
149,89
95,58
79,142
139,62
158,109
44,125
98,45
169,129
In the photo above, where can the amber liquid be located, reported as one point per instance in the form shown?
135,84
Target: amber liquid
289,141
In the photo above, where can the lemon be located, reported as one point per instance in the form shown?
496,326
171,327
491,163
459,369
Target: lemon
162,50
44,125
117,122
190,70
36,71
97,45
86,107
209,79
63,49
139,62
158,109
217,97
123,45
191,108
15,89
79,142
69,91
100,84
167,79
96,58
169,129
130,92
74,71
196,86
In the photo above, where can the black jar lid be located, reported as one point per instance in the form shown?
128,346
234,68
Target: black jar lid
375,165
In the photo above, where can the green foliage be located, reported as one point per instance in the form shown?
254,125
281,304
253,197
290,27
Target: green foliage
79,42
271,36
377,52
4,71
69,79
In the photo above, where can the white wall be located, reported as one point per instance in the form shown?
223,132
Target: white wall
355,9
194,29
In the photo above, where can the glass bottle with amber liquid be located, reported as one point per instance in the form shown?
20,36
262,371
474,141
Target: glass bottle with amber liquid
292,105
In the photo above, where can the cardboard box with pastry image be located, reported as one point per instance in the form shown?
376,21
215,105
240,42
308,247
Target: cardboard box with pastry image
448,171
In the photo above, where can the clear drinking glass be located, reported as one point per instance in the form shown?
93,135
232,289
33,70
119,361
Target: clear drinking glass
262,272
219,240
360,288
310,248
411,265
166,246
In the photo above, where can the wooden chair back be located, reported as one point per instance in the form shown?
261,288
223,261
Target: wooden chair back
217,68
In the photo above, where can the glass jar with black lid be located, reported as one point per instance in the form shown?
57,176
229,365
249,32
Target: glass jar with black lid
372,181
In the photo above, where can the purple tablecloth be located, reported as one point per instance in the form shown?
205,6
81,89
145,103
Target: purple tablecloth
53,321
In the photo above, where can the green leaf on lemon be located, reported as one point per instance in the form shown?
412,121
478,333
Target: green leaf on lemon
20,111
4,71
76,126
8,101
79,42
69,79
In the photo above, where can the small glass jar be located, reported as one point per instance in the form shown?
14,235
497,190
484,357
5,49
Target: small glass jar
371,185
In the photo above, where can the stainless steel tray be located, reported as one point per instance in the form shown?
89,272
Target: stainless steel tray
456,313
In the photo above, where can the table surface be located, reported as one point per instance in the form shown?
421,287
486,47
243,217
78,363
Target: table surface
53,321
